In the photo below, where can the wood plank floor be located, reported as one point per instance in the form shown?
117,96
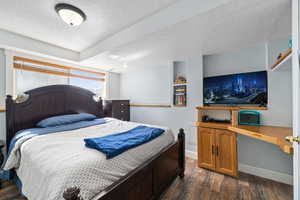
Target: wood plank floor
201,184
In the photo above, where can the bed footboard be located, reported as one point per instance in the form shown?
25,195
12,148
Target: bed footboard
148,181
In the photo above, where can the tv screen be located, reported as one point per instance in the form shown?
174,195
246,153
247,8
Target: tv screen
246,88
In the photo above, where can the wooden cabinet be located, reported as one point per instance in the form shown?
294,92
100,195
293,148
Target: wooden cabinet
119,109
226,152
217,150
206,148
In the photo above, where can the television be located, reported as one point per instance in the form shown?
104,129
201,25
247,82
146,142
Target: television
246,88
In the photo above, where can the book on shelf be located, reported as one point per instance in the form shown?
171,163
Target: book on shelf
180,95
180,100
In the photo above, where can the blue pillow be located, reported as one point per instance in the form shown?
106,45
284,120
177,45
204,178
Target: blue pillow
65,119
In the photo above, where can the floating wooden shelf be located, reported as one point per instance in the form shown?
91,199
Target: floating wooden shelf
253,108
2,110
151,105
271,134
230,108
179,84
213,125
180,105
284,58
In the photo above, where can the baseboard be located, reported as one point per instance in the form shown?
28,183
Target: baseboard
265,173
191,154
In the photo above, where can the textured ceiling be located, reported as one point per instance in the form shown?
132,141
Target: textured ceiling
38,20
236,25
222,25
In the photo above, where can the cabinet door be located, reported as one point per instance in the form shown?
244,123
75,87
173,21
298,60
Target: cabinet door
226,152
206,148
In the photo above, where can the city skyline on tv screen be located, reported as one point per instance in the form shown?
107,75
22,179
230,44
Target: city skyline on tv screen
246,88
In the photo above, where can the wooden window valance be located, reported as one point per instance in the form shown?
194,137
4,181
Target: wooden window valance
55,69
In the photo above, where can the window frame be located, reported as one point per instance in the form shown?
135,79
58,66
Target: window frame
27,64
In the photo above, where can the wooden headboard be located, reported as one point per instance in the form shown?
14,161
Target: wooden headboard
46,102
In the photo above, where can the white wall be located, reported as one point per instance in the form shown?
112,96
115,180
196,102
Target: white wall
113,86
2,94
152,85
250,151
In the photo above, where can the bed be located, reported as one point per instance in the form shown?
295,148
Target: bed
140,173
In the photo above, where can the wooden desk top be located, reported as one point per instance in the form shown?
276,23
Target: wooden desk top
2,110
271,134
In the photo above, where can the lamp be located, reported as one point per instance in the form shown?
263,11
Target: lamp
97,98
70,14
22,97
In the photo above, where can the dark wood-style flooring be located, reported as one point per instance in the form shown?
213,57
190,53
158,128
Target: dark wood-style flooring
201,184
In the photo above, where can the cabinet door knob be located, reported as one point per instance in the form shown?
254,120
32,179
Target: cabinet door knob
217,150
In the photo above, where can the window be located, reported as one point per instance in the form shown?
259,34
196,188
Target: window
96,86
30,74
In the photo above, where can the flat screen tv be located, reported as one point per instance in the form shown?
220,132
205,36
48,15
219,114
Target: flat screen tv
246,88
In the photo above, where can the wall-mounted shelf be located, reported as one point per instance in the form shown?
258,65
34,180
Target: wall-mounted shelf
180,105
151,105
231,108
280,62
179,85
213,125
271,134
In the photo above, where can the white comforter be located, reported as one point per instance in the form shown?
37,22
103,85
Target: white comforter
51,163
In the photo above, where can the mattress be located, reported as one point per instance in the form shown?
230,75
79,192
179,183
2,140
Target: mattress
49,164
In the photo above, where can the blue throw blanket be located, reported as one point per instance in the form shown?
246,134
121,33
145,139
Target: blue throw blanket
113,145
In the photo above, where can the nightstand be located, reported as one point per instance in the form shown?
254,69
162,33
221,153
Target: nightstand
119,109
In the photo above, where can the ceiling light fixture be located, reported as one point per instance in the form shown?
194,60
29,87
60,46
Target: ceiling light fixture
70,14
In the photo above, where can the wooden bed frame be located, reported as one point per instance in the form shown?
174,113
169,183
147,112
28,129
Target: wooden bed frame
146,182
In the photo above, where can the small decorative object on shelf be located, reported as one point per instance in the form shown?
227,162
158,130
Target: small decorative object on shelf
290,44
180,80
281,57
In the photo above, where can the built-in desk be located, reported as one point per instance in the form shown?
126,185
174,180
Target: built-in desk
217,144
271,134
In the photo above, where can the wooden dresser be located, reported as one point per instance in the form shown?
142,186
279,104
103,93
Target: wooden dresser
119,109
